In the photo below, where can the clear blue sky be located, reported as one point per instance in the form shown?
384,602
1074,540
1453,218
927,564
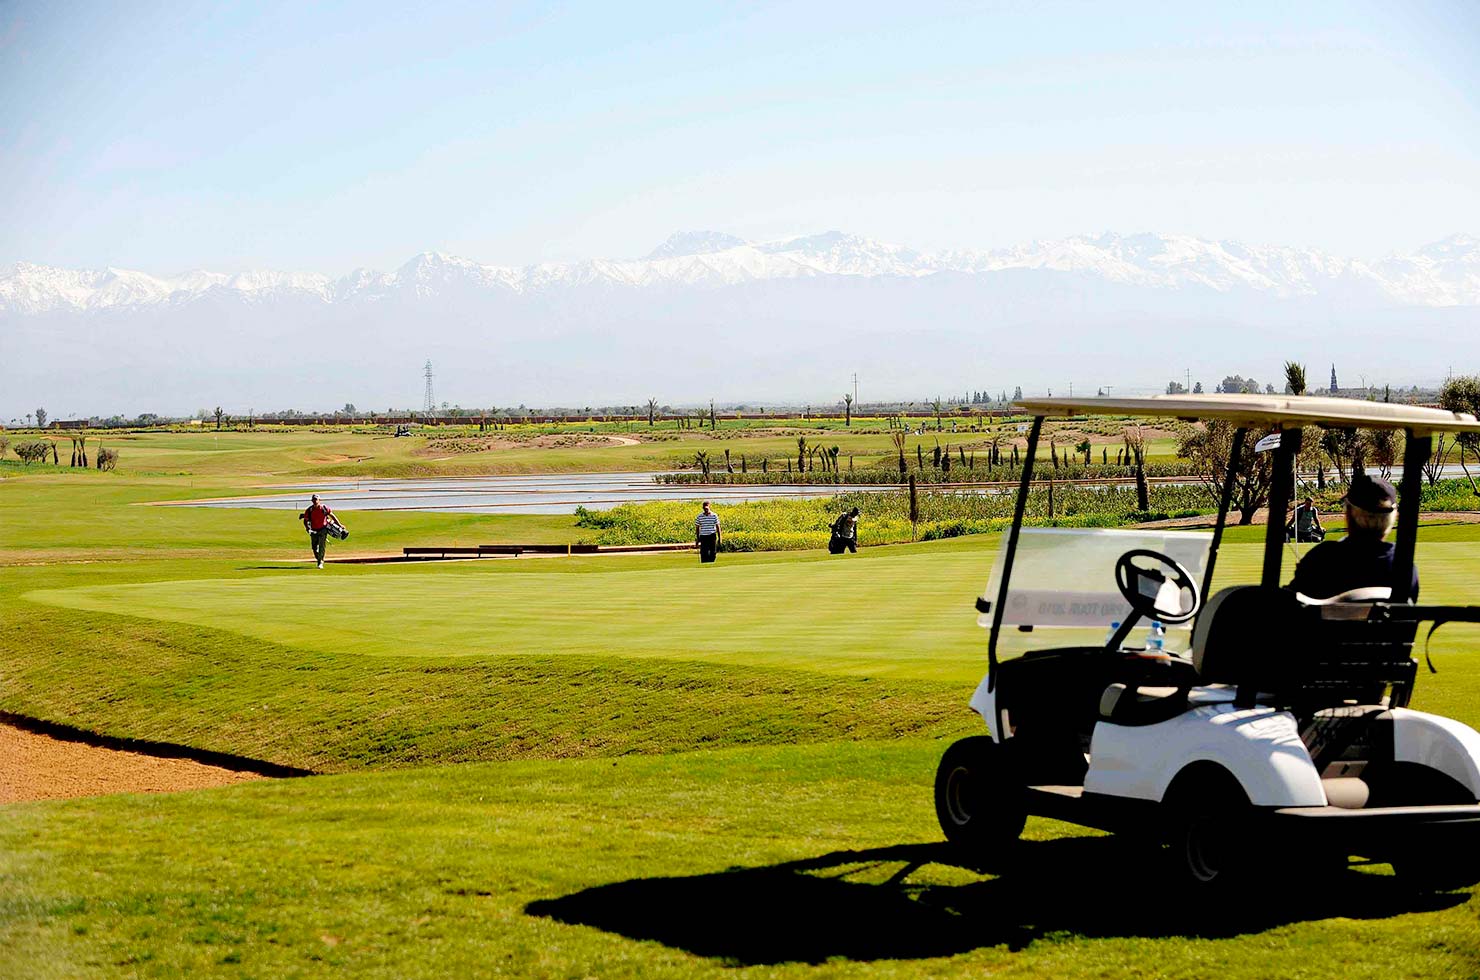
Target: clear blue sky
165,136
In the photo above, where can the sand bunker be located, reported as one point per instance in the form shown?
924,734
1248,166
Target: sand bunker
39,767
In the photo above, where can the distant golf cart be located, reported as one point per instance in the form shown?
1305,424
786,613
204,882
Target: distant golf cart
1281,736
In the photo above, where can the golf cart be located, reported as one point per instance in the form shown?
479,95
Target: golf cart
1281,733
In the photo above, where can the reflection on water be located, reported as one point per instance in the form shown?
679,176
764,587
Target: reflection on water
559,494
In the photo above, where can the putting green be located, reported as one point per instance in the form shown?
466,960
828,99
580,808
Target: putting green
907,614
902,614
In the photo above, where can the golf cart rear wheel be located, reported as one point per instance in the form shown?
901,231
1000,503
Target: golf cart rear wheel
1208,847
978,801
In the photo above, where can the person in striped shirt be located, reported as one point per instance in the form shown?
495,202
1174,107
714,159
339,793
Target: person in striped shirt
706,533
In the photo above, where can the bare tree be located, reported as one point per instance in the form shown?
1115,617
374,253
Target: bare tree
898,438
1135,444
1209,448
1342,447
652,407
1462,394
1386,447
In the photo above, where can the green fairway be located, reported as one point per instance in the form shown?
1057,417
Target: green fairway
677,769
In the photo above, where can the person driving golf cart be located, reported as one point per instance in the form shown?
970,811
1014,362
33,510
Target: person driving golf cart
1361,559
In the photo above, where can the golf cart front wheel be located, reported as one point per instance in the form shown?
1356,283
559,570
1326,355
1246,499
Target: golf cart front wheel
978,802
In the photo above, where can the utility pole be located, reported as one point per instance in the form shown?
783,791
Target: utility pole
430,405
855,387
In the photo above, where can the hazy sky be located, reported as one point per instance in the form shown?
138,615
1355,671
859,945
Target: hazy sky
164,136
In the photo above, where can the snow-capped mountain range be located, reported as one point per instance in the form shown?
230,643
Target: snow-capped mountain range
1443,274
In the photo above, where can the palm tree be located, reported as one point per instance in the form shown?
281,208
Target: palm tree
1295,378
652,409
937,405
848,410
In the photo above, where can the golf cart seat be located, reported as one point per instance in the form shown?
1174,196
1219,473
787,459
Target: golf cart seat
1282,648
1123,704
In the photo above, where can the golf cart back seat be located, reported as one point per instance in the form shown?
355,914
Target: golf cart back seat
1301,653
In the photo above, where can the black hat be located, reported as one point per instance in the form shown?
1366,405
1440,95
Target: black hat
1372,494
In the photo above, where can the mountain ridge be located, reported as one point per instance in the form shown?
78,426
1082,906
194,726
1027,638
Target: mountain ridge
1444,273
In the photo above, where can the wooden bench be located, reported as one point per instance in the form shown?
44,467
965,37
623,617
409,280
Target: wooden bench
452,551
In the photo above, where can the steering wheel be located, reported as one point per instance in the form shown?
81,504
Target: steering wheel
1142,587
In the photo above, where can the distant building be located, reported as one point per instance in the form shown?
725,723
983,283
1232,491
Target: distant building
1333,379
69,424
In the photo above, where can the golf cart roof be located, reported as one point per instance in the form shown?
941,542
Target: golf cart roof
1264,410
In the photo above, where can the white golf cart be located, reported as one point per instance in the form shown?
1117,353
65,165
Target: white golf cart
1281,730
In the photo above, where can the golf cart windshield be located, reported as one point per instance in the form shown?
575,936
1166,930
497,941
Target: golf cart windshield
1065,577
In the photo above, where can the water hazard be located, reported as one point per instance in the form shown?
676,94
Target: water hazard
547,494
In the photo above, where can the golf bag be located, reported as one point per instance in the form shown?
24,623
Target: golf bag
835,545
336,530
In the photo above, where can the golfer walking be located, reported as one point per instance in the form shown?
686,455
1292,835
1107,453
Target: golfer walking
706,533
316,522
844,533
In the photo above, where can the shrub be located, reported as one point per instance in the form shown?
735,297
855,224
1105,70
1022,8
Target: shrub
795,524
107,459
31,452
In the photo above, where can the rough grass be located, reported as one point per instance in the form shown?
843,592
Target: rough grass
816,861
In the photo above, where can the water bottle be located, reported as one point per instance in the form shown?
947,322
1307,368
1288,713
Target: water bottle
1156,640
1114,628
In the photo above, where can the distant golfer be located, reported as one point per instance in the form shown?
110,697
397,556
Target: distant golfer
316,523
706,533
844,533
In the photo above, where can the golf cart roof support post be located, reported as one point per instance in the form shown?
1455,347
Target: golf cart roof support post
1416,450
1281,490
1225,501
1024,485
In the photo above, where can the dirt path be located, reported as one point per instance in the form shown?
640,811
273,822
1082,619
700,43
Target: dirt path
39,767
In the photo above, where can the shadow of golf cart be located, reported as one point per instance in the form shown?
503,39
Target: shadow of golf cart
1279,736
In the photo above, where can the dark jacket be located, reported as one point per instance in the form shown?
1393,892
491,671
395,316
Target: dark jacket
1333,567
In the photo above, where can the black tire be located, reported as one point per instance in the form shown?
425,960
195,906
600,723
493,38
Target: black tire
978,800
1209,844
